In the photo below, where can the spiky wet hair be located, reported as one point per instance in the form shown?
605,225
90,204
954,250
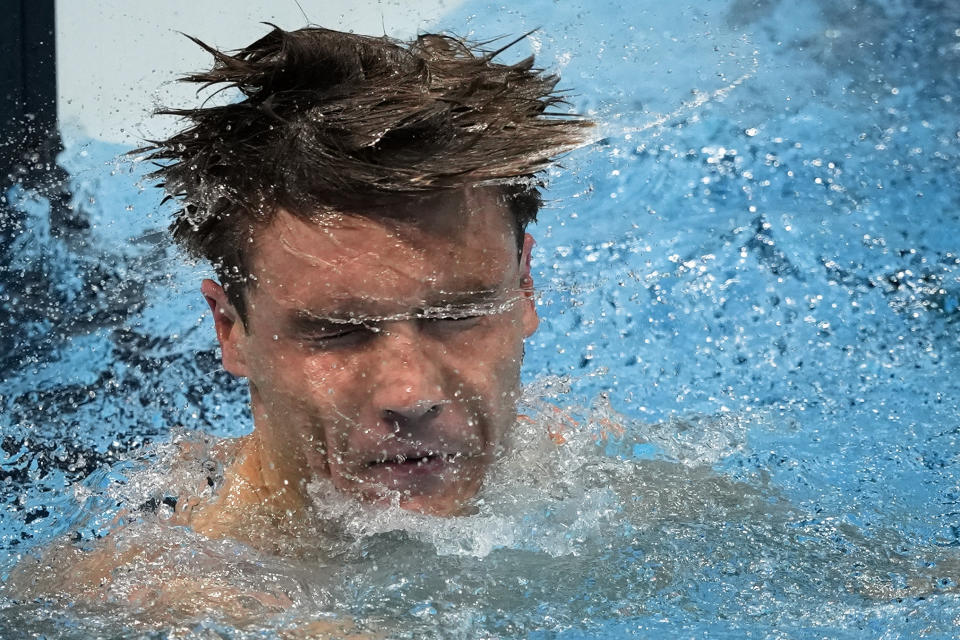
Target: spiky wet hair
330,120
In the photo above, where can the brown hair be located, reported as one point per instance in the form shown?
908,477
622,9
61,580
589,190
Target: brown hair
329,119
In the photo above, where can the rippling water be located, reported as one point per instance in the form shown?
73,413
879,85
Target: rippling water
749,298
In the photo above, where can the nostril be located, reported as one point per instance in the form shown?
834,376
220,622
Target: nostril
423,411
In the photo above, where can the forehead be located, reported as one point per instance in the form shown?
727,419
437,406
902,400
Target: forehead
387,260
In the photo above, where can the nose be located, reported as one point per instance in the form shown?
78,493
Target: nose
407,390
415,414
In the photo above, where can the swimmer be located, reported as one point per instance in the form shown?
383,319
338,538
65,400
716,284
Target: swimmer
364,204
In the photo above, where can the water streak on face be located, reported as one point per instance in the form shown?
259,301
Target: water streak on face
385,353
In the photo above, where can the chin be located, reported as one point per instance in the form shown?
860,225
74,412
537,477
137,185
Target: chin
440,501
431,485
437,506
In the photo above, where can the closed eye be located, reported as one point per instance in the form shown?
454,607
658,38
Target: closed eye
463,312
340,335
334,335
454,322
455,318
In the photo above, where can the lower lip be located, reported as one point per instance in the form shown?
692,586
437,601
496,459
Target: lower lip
421,467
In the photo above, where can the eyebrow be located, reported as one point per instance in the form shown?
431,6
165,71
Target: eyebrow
362,310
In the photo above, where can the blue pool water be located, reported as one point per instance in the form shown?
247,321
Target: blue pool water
755,270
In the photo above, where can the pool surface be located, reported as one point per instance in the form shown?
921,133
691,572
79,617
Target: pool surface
749,289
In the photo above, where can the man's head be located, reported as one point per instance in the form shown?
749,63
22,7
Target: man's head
364,204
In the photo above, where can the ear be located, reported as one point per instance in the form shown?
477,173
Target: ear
230,329
530,318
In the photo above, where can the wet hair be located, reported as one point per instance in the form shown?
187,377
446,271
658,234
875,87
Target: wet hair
328,120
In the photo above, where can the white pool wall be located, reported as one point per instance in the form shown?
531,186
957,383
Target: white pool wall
118,60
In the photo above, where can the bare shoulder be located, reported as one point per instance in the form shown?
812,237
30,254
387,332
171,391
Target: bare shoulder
153,559
153,572
155,575
67,571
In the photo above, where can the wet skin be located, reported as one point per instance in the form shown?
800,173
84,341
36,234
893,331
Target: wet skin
382,353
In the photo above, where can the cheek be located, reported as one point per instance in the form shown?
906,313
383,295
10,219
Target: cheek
293,381
489,369
312,401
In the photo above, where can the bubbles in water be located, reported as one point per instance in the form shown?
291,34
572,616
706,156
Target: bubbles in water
773,289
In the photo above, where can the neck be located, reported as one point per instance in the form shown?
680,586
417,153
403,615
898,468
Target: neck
276,473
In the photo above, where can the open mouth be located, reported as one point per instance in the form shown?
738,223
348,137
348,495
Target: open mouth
414,460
